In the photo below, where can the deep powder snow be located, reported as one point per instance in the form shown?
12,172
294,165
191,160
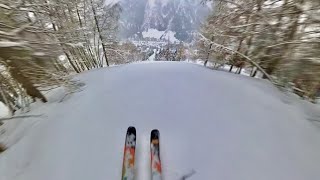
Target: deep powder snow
214,125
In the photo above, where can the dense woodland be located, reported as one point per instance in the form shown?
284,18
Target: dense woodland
43,43
280,38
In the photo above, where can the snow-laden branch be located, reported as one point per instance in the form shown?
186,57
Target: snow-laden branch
263,18
311,15
15,31
244,56
5,44
20,117
29,29
117,52
69,42
32,10
316,60
5,6
243,25
294,42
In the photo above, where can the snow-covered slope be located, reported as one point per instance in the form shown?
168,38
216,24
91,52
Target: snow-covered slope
220,125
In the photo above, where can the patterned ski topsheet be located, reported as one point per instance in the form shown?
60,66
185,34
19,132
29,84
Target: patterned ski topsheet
129,155
156,172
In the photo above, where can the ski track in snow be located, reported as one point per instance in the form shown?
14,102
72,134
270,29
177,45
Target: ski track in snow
216,124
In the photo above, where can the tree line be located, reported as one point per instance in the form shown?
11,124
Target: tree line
280,38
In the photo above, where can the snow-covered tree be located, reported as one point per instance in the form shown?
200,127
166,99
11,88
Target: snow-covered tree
276,37
42,42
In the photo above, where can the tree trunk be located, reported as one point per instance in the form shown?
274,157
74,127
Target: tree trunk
208,55
4,99
205,63
100,33
290,36
253,72
230,68
24,81
71,62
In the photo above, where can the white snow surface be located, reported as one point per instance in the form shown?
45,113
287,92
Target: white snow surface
4,44
111,2
3,110
152,3
213,125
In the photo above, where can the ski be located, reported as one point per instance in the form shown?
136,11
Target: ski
129,155
156,173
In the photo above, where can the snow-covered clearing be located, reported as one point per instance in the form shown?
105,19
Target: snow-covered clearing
216,124
152,33
164,35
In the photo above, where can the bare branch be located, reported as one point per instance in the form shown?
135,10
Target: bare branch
294,42
5,6
246,57
21,117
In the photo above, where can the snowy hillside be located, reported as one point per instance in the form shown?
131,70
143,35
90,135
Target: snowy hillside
179,16
219,125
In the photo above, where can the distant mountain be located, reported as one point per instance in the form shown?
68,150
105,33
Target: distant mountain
178,16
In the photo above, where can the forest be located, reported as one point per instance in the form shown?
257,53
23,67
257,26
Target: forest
43,44
280,38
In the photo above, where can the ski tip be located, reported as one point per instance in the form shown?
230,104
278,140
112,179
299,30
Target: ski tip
155,134
131,130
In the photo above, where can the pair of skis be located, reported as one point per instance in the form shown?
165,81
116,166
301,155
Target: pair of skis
129,155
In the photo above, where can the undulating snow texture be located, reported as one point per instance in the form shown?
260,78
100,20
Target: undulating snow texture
213,125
